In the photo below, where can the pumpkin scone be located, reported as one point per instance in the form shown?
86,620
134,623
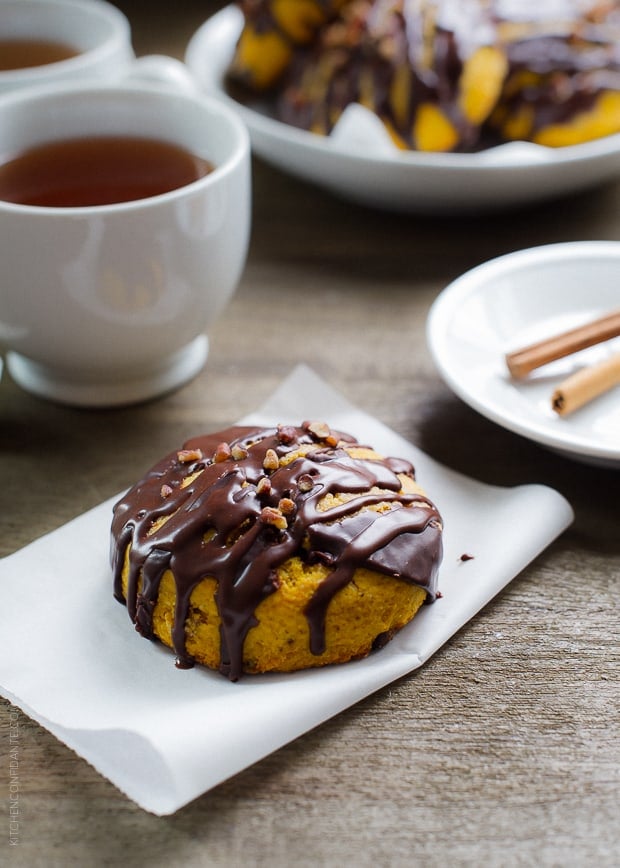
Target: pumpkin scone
275,549
443,76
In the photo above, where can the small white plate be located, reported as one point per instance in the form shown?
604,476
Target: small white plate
512,301
357,165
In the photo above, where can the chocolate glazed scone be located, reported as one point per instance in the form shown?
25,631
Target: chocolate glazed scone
258,550
442,75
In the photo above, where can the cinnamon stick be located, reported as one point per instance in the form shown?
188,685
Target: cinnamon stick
522,362
585,385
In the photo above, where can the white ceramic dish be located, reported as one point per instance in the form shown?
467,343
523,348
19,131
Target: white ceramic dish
517,299
358,166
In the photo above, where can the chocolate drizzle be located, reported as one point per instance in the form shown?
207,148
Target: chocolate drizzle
224,508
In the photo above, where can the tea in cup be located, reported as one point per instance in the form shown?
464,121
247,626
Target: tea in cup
48,41
124,226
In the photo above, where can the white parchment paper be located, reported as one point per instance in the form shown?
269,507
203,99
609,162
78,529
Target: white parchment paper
70,659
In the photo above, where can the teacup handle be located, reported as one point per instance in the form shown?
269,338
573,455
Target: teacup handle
159,69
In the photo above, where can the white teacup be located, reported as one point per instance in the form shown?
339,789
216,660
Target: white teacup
98,31
110,304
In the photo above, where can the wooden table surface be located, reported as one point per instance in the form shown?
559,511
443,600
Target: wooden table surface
503,750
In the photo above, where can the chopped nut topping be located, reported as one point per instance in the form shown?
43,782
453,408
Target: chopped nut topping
305,482
286,434
238,452
273,516
271,460
263,485
166,491
320,430
286,505
185,456
222,453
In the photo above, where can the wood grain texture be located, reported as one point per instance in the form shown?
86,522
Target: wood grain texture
503,750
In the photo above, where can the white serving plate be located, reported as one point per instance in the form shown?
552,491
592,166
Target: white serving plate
358,164
511,302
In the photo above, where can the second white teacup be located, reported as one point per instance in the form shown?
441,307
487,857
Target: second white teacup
107,304
96,31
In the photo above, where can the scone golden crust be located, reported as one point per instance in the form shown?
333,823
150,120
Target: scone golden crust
273,30
257,550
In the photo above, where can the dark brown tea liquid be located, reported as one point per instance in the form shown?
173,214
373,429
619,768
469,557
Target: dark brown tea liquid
24,53
98,171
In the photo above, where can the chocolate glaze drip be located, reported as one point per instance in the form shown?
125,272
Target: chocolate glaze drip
220,508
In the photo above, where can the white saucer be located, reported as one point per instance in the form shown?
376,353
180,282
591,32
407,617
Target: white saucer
356,164
517,299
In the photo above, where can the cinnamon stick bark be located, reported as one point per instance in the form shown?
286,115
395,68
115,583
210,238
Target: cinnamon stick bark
585,385
522,362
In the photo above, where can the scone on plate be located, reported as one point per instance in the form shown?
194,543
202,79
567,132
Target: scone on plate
272,550
441,75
